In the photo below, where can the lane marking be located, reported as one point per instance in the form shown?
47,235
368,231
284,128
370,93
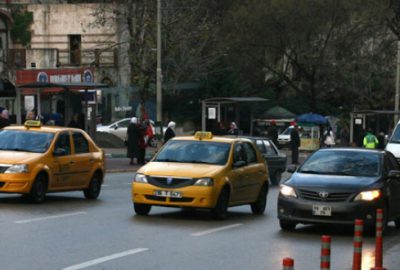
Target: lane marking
49,217
105,185
216,230
105,259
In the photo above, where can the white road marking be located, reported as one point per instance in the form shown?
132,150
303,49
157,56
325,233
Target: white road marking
130,183
216,229
105,185
105,259
49,217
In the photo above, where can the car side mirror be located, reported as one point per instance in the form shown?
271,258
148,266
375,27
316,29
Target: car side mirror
59,152
239,163
394,174
291,168
116,127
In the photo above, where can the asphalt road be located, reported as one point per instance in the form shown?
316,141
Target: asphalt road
68,232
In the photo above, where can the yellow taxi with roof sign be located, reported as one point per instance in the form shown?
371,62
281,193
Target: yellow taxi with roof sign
36,159
203,171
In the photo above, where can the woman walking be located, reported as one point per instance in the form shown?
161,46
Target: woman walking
132,141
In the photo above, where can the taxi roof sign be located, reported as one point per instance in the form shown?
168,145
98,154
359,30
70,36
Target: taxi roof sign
32,123
203,135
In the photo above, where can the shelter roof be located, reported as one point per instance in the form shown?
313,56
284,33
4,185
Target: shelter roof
234,99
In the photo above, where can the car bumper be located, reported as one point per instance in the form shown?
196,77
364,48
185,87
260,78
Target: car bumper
198,197
15,183
300,211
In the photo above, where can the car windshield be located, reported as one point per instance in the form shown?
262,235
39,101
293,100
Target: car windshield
287,131
26,141
204,152
342,163
396,135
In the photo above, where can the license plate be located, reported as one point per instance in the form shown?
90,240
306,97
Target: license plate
321,210
167,193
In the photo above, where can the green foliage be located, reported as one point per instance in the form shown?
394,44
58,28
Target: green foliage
20,31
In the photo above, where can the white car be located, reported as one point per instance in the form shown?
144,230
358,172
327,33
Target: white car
284,137
120,127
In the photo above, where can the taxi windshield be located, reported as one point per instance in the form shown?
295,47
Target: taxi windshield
203,152
25,141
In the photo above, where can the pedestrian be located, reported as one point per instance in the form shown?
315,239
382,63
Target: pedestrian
233,130
328,138
381,140
295,143
370,141
4,118
273,132
132,141
220,129
344,136
30,115
170,131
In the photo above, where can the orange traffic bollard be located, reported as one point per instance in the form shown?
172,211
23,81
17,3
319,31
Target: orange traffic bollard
357,254
379,240
325,252
288,264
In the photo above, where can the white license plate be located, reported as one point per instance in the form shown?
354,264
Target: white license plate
167,193
321,210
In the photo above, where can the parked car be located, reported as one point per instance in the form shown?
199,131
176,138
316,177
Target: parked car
276,160
35,160
120,127
339,185
284,137
203,171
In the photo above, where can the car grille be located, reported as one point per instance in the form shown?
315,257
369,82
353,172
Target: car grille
332,197
164,199
172,183
3,168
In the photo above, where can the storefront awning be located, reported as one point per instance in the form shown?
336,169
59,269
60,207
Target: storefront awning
46,88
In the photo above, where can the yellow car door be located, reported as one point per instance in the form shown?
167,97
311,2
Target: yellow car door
238,174
255,172
82,160
61,165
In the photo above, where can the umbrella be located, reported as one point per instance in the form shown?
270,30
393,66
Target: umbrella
312,118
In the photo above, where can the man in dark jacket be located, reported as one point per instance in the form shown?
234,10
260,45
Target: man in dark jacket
273,132
169,132
295,144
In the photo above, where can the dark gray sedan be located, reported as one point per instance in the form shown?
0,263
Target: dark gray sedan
275,159
339,185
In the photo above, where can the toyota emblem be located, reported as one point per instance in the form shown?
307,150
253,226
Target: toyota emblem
323,194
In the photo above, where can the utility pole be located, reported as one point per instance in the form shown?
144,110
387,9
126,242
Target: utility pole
159,71
396,98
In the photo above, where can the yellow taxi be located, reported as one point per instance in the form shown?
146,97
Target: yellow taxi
37,159
203,171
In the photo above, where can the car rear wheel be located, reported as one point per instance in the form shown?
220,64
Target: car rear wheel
142,209
259,206
397,223
287,225
38,189
276,178
93,191
220,211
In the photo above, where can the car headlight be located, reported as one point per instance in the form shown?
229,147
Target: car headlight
369,195
18,168
140,178
287,191
205,182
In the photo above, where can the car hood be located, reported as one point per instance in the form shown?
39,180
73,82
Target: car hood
180,169
14,157
332,182
394,148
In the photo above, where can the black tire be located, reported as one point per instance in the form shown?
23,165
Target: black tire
287,225
258,207
142,209
220,211
397,223
276,178
38,189
93,191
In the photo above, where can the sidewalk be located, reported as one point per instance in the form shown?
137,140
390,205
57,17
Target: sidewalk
116,160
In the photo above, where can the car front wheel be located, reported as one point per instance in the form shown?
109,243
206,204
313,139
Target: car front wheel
142,209
220,211
287,225
38,190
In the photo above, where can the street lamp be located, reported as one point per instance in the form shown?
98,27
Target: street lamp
159,71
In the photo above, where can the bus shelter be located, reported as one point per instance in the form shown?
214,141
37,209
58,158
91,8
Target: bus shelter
85,90
212,110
